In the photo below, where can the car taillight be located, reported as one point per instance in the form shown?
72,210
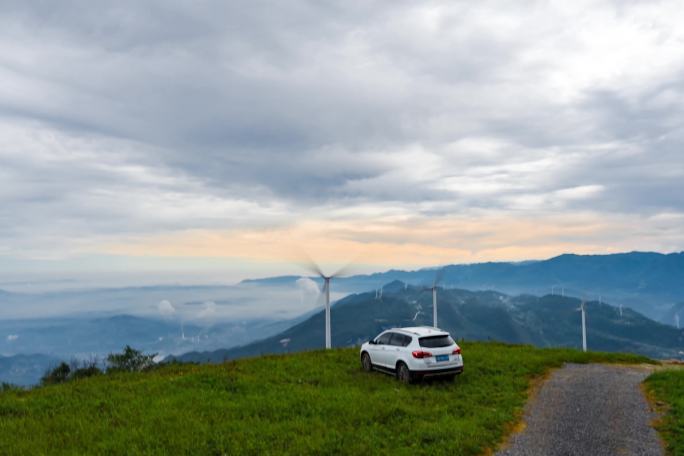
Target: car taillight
457,351
420,354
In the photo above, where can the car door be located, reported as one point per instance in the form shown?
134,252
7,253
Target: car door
396,348
380,356
374,350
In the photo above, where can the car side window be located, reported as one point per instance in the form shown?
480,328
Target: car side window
384,339
405,340
397,340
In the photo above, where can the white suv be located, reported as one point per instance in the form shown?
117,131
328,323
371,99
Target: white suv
412,353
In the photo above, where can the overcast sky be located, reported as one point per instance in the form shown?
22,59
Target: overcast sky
224,137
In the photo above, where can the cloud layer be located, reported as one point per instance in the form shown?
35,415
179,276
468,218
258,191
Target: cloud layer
455,129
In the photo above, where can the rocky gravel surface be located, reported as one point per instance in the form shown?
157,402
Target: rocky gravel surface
588,409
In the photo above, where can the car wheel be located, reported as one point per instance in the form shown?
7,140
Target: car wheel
404,374
366,363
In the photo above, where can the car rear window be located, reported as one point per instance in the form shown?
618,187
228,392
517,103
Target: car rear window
436,341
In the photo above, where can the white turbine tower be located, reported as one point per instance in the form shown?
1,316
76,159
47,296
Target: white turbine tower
328,332
433,288
313,267
677,320
582,308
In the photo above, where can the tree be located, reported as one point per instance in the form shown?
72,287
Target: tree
130,360
59,374
4,386
86,369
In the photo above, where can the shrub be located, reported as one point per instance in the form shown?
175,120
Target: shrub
130,360
87,370
59,374
4,386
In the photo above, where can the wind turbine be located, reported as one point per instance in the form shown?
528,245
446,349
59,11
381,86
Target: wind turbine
314,268
582,308
433,288
677,320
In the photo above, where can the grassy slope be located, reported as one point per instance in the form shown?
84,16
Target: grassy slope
308,403
668,387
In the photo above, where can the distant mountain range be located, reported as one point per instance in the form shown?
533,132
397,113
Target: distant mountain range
165,319
651,283
25,370
217,317
32,346
547,321
239,301
84,337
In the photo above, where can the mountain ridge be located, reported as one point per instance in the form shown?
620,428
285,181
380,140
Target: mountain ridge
544,321
650,282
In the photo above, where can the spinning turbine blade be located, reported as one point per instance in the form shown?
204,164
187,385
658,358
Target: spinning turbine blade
344,270
320,300
310,265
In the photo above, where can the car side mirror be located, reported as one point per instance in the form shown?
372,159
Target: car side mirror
371,341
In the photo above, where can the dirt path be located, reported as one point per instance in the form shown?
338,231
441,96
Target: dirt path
592,409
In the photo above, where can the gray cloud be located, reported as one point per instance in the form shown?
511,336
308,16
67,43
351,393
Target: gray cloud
129,118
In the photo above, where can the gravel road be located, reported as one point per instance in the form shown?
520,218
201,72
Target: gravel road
588,409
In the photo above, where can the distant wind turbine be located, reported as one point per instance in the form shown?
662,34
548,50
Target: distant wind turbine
677,320
582,308
314,268
433,288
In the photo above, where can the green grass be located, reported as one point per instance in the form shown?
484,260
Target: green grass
668,387
310,403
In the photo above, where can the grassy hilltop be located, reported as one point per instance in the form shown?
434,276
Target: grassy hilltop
308,403
667,387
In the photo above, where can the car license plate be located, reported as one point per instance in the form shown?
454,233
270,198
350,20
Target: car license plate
442,358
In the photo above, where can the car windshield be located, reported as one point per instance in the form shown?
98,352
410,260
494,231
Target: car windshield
436,341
